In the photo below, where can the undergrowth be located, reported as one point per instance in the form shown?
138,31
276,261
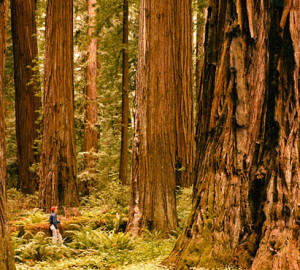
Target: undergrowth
93,249
87,246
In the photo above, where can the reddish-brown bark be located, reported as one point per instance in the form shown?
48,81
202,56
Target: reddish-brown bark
91,130
246,200
26,101
184,93
152,202
125,101
58,184
6,245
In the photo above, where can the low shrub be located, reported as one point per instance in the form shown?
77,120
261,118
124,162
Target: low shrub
98,239
39,248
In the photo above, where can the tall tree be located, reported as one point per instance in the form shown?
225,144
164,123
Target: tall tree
246,201
91,134
125,102
26,100
6,245
184,94
152,202
58,184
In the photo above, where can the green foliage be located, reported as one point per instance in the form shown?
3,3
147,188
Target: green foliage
90,248
184,205
19,204
88,238
33,217
37,81
111,197
39,248
109,34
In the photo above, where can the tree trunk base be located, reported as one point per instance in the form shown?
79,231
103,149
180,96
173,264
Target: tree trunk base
278,249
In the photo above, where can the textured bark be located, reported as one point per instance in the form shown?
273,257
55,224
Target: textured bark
58,165
6,245
184,94
27,103
90,132
152,202
125,102
246,207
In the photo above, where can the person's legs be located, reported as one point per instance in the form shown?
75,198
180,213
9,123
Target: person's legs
54,234
60,241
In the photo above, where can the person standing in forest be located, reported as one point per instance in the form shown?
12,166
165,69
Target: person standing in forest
53,225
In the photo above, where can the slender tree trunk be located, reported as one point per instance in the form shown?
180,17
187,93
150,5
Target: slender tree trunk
125,102
27,103
184,94
6,245
91,131
58,165
246,207
152,202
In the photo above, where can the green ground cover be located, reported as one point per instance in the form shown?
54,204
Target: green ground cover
94,240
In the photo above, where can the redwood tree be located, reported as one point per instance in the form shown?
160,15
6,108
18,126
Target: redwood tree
58,162
125,102
6,245
246,200
152,202
90,132
26,101
184,93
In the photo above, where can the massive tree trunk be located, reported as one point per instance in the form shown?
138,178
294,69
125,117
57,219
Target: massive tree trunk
246,207
6,245
27,103
125,102
152,202
91,131
184,94
58,165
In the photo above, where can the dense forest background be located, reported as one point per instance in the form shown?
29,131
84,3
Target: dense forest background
109,80
167,133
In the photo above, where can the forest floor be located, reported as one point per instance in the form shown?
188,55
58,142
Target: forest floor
93,240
